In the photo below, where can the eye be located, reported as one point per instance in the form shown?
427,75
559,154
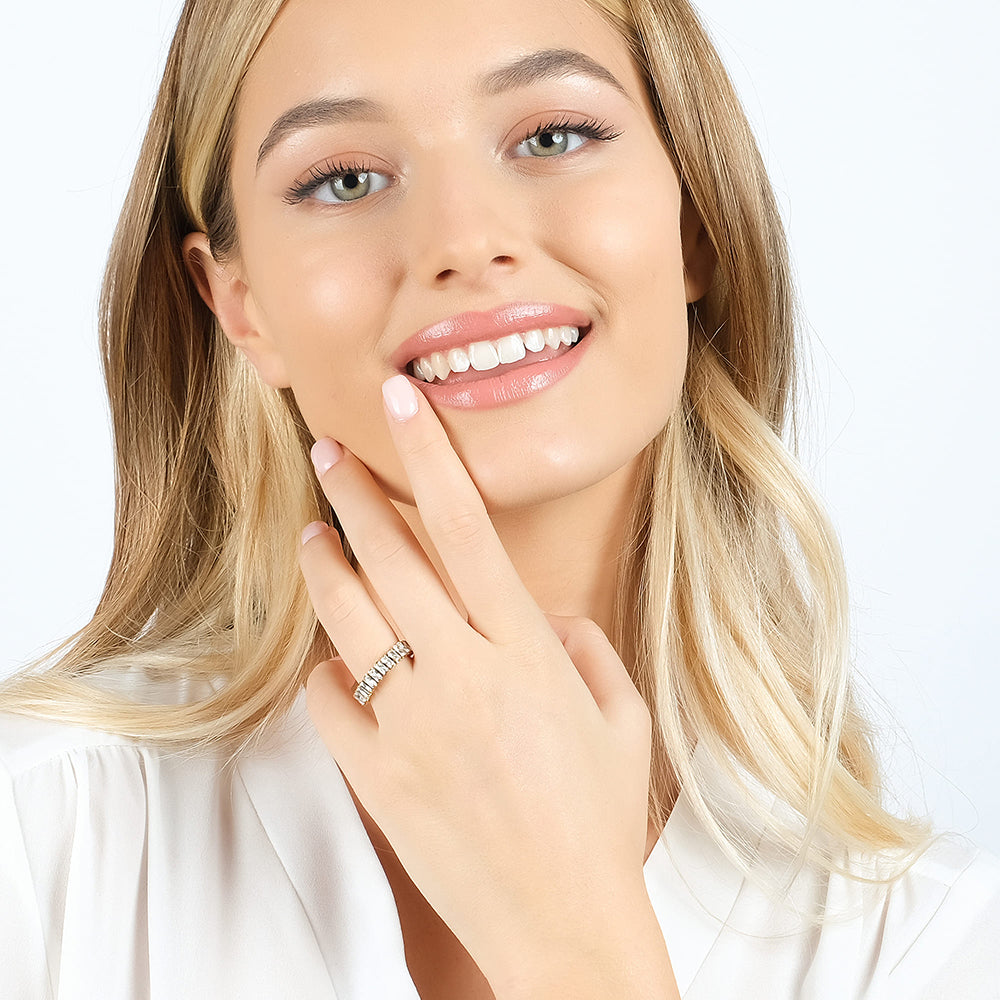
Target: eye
351,185
564,136
550,143
338,184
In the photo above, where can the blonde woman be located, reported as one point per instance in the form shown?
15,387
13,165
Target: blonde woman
470,630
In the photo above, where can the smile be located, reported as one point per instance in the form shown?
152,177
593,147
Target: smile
523,348
480,360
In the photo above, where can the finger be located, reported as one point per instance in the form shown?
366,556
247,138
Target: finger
398,568
356,627
349,734
455,517
601,668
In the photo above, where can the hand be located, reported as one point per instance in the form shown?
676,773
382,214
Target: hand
508,763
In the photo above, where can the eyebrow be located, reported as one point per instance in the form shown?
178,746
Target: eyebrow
323,111
546,64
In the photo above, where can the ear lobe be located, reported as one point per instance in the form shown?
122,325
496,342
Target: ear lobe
230,298
699,255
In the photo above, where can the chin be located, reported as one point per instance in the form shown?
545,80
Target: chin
526,477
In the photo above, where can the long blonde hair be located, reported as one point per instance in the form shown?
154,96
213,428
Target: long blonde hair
733,571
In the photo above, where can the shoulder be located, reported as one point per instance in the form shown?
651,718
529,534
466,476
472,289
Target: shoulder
27,743
931,932
31,745
72,810
68,789
921,935
186,854
940,935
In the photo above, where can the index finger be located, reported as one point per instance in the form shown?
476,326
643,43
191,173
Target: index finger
453,512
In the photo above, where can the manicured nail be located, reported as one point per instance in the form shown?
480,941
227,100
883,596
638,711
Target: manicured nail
312,530
326,453
400,398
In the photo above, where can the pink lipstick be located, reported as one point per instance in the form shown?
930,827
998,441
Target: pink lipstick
487,359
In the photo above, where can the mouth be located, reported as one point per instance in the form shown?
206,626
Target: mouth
484,359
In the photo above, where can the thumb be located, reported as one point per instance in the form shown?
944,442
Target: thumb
601,668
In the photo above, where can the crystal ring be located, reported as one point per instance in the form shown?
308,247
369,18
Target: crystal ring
382,666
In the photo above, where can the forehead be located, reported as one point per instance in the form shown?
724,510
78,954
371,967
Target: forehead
424,57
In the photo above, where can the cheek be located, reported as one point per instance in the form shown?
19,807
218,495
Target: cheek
324,305
627,246
312,292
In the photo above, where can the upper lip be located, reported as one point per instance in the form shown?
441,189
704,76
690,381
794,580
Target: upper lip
468,327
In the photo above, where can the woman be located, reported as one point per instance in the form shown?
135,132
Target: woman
526,308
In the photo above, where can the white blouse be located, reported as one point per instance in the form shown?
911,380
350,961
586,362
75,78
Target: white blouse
132,872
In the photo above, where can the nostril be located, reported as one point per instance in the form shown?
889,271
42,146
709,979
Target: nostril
451,273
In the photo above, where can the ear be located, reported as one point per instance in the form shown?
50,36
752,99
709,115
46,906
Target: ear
230,298
699,254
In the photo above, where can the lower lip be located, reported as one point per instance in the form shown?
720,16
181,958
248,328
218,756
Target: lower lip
504,388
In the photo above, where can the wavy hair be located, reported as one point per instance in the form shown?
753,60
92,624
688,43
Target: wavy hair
732,613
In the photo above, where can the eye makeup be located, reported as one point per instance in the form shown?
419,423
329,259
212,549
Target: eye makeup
356,176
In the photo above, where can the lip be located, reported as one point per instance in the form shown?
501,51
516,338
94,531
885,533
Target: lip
468,327
506,386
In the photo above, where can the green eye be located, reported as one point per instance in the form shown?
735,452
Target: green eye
550,142
338,184
349,186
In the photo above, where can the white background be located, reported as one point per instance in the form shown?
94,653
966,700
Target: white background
878,122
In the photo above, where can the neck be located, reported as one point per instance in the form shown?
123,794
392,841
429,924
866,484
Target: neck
566,550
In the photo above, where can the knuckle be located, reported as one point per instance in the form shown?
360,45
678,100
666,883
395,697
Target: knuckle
586,628
339,604
585,634
386,549
318,688
461,528
422,446
639,713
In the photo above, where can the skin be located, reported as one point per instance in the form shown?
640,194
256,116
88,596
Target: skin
528,767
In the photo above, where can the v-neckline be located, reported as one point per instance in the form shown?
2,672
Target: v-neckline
306,809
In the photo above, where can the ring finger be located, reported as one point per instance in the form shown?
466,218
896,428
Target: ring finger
358,630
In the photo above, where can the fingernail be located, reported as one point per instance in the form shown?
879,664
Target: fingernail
400,398
326,453
311,530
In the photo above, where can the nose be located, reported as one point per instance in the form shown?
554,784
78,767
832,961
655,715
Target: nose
468,226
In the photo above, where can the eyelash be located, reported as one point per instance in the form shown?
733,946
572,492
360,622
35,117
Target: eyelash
590,128
322,174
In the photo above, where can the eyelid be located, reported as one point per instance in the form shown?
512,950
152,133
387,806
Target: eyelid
588,127
325,171
594,129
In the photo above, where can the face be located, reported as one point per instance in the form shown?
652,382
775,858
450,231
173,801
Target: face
407,187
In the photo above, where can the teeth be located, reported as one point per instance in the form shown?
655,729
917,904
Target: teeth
488,354
510,349
534,340
458,359
440,365
483,356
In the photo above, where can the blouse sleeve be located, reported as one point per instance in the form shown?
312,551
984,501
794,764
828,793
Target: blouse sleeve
72,868
23,968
